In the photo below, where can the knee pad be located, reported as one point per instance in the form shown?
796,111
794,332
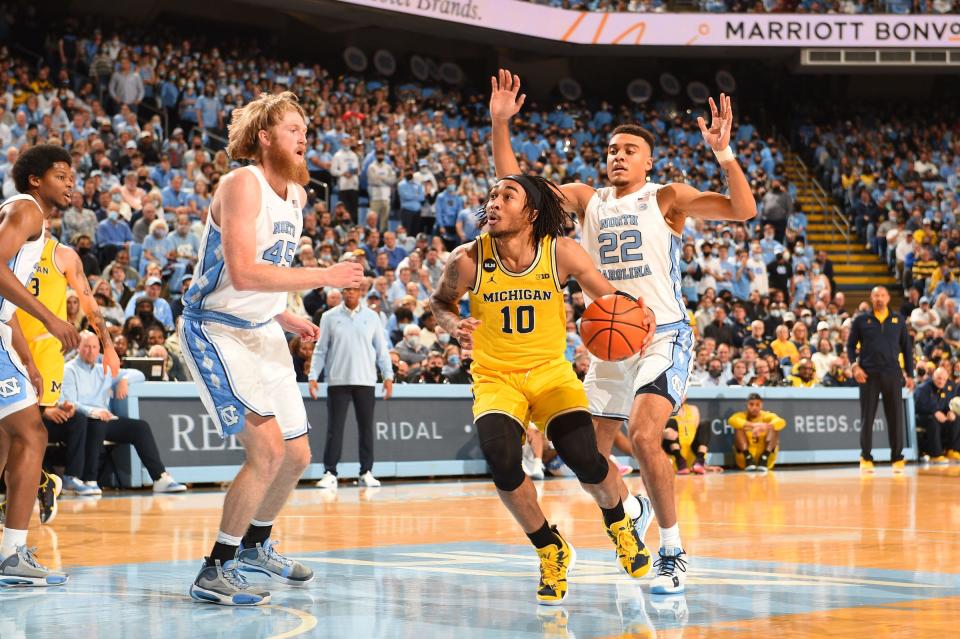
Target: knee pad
573,436
501,441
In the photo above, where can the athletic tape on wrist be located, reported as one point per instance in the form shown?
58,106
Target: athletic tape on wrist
724,154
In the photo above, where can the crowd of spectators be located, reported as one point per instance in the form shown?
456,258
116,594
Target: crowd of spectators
405,166
896,176
847,7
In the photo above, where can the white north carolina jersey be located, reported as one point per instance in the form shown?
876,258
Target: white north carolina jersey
23,263
278,227
634,248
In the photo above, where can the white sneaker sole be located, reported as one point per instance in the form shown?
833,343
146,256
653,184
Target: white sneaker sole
208,596
20,581
257,570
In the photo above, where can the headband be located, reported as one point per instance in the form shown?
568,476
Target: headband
533,195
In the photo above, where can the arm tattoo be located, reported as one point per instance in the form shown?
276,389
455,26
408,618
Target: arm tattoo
443,302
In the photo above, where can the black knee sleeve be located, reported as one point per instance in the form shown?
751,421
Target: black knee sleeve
501,440
573,436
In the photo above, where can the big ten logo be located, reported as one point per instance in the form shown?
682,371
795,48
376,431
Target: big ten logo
187,436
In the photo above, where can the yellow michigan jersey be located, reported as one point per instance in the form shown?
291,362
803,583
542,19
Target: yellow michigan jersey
757,444
519,367
49,285
688,420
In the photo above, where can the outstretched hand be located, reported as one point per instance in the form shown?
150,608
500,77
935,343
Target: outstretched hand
718,135
504,103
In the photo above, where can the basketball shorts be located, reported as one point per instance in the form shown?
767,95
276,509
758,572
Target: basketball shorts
244,370
16,391
535,396
49,360
663,369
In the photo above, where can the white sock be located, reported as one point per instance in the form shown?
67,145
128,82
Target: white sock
9,541
631,505
228,540
670,537
257,522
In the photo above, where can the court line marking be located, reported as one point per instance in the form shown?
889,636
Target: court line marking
307,621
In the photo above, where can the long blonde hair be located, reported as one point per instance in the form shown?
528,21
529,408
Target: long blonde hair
259,115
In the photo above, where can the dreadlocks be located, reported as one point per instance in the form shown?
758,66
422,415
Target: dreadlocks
544,197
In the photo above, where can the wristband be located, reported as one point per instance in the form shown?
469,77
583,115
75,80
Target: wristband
723,155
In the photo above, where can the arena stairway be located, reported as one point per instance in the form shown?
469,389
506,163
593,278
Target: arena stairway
855,268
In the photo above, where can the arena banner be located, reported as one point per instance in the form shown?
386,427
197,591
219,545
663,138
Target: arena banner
686,29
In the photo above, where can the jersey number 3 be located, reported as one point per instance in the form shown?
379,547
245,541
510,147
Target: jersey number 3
629,243
523,323
280,253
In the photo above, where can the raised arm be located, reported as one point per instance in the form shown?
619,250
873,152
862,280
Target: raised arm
69,262
679,200
237,206
459,276
504,105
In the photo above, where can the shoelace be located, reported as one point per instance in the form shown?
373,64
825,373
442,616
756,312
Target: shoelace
550,568
28,555
667,564
627,541
275,556
235,578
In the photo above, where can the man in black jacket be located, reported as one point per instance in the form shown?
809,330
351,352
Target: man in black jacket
936,423
882,365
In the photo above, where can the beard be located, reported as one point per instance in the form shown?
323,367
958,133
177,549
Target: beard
292,170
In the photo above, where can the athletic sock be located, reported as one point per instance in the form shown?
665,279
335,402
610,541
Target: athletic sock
11,539
544,536
670,537
632,506
613,515
224,550
702,459
257,533
764,459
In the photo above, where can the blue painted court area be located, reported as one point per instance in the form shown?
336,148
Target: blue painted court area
482,591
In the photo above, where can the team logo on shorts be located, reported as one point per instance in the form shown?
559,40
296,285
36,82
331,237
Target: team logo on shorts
228,414
677,385
9,387
489,265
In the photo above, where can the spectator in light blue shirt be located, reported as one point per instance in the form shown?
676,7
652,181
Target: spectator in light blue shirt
174,197
448,205
350,350
161,308
411,196
209,109
88,387
467,221
113,231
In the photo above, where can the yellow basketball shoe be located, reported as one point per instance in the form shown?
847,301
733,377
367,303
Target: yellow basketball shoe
632,554
953,455
866,465
556,563
899,466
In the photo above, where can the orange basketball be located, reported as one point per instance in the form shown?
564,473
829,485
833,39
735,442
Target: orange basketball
613,327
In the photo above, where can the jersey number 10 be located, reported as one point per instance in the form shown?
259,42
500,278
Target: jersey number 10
523,323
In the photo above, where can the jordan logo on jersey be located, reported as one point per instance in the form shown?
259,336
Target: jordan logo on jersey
9,387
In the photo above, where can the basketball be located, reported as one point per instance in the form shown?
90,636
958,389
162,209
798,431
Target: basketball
613,327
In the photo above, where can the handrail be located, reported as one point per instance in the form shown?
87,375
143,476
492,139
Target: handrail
836,217
326,190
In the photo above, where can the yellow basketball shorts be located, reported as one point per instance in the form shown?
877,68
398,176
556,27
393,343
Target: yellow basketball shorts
536,396
49,360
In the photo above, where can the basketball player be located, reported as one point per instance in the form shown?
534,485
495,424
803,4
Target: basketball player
632,230
43,176
58,267
232,334
515,273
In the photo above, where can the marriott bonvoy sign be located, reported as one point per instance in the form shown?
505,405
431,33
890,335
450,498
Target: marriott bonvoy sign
687,29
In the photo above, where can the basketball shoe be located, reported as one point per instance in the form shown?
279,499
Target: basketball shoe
866,465
47,493
265,560
899,466
633,555
953,455
22,569
642,523
671,572
225,585
556,563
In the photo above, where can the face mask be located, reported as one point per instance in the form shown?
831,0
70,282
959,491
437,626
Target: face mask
454,360
435,370
112,216
815,270
798,251
116,197
401,237
413,342
714,374
444,338
571,336
451,188
159,234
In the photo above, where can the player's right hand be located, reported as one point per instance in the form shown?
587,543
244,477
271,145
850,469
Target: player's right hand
314,386
65,333
859,375
343,275
504,88
464,333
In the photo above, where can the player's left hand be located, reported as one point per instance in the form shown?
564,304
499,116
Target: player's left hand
718,135
36,379
305,329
